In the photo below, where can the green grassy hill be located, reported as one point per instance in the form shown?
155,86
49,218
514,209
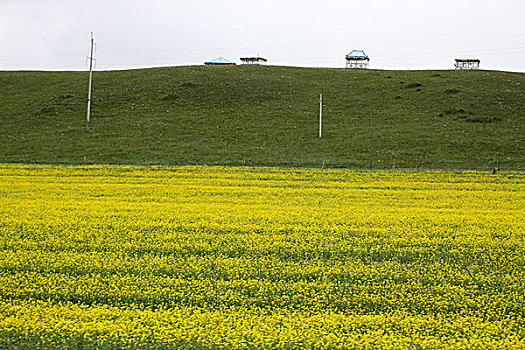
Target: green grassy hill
266,116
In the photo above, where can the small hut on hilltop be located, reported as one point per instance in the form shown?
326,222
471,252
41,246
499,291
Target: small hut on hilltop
357,59
254,60
467,63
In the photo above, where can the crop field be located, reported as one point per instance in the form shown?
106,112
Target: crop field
128,257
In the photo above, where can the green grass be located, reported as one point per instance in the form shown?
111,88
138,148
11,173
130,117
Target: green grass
266,116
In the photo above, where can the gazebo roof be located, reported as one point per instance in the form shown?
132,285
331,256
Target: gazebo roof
254,58
219,60
358,54
467,60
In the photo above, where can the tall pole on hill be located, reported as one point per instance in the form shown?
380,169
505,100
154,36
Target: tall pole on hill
90,78
321,116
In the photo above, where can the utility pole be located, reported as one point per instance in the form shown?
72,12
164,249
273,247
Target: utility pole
90,78
321,116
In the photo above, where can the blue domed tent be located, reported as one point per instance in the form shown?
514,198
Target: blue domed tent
220,62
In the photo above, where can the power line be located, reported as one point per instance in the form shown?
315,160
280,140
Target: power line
46,56
412,57
300,46
464,52
263,47
429,55
47,36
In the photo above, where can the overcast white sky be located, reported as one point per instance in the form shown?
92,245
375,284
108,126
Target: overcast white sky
402,34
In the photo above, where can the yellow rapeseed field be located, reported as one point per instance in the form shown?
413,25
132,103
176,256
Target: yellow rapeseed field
122,257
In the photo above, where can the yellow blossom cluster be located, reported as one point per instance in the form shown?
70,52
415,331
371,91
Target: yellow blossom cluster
124,257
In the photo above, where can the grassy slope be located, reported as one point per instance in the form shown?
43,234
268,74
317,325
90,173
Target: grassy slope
266,116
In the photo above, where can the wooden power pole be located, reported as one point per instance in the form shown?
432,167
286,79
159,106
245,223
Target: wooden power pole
90,78
321,116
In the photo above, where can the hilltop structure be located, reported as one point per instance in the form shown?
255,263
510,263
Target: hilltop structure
220,62
357,59
254,60
467,63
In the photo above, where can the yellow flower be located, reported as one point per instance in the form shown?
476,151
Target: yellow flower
262,258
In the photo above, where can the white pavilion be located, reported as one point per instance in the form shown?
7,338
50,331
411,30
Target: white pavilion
357,59
254,60
467,63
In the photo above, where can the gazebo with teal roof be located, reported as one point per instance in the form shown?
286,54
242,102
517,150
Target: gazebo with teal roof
357,59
